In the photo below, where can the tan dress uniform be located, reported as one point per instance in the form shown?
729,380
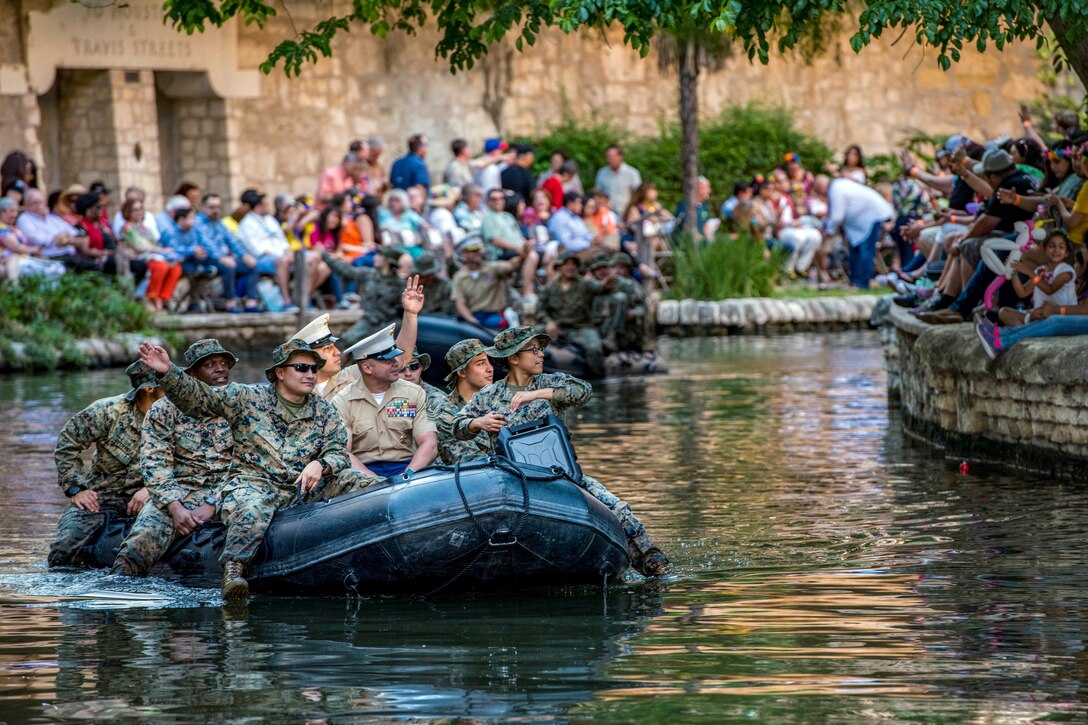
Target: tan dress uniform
386,432
484,290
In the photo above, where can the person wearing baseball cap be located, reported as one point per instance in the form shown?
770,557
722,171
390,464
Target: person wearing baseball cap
287,440
997,219
526,394
112,482
470,372
184,461
389,430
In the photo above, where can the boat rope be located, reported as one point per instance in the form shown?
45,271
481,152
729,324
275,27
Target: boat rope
489,538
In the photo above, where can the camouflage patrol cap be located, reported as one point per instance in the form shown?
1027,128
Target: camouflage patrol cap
142,377
509,342
622,259
601,261
426,263
206,348
423,358
284,352
461,354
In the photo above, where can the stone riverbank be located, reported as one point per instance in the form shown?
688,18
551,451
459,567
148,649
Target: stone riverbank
94,352
1026,408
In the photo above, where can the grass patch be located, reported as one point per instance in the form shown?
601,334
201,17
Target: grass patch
723,269
49,315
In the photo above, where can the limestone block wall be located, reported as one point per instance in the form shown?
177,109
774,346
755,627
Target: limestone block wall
136,135
1027,407
85,114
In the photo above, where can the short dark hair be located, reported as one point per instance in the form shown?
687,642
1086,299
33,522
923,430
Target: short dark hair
523,149
53,198
571,196
415,142
184,188
619,149
568,167
458,145
182,212
208,197
740,187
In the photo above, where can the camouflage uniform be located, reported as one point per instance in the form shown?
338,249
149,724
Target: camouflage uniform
113,426
570,310
271,449
438,292
182,459
435,397
610,314
570,392
450,449
380,296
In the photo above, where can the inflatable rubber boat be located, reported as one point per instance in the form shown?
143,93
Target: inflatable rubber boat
437,334
513,521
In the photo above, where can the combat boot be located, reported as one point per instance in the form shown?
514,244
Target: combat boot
124,567
654,563
234,585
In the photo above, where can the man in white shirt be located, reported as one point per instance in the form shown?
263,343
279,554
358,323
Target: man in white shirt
618,179
859,211
57,239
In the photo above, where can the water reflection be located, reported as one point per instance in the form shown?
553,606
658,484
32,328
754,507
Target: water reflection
828,568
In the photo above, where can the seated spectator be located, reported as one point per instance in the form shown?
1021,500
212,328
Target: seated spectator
398,218
618,179
57,239
164,220
517,177
1054,281
645,216
470,211
1028,157
480,288
559,183
569,229
503,239
264,239
534,227
703,230
602,220
440,217
742,192
794,228
797,173
17,255
325,238
162,263
1066,124
118,221
411,169
347,176
565,311
100,240
236,267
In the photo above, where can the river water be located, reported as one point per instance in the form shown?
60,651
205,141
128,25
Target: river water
827,568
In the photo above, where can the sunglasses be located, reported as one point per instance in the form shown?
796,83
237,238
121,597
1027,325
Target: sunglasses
303,367
413,366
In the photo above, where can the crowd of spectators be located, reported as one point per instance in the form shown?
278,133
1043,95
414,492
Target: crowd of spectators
1004,248
508,229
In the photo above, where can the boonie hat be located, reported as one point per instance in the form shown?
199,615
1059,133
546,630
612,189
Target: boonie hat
993,162
206,348
382,345
602,261
316,333
461,354
509,342
423,358
142,377
284,352
426,263
623,259
393,254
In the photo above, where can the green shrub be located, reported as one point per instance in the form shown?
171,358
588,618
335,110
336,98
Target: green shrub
722,269
48,315
741,142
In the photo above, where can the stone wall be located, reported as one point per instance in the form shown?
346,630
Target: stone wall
85,114
1025,408
695,318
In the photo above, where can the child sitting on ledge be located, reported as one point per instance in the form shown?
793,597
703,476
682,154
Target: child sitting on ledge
1054,281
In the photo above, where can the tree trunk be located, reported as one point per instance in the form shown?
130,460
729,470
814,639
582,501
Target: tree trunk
1075,49
689,130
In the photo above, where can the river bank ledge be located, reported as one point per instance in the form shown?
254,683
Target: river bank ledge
1027,408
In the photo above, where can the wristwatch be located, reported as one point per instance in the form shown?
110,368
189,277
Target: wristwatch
210,500
74,489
